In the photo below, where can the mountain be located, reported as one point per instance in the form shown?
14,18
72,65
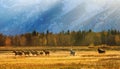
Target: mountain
19,16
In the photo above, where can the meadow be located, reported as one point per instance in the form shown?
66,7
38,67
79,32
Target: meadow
59,58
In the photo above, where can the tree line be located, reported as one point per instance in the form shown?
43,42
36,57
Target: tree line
68,38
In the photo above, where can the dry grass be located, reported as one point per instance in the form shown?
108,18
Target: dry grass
62,60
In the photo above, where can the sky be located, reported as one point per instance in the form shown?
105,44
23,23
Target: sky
11,8
54,15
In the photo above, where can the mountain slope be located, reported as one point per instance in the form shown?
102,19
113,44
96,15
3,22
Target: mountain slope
58,15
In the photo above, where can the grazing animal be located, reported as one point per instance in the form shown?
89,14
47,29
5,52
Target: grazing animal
72,53
41,53
26,53
18,53
46,52
101,50
34,53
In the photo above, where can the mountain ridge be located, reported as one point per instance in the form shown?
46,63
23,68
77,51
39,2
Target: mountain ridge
61,16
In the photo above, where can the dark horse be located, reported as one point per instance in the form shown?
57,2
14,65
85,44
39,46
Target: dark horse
18,53
41,53
101,50
26,53
46,52
34,53
72,52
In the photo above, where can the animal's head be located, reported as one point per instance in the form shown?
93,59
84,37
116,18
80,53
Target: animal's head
44,50
99,48
14,51
71,49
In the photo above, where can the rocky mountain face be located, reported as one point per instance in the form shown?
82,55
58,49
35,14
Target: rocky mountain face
19,16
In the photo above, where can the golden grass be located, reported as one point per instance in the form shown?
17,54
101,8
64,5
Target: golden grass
62,60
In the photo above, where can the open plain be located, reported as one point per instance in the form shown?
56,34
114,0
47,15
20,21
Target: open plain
59,58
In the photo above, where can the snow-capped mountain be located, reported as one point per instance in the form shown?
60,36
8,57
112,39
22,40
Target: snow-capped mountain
21,16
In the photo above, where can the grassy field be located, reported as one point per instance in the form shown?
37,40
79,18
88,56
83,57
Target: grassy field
59,58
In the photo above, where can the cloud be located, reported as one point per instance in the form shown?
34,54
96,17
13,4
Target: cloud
13,8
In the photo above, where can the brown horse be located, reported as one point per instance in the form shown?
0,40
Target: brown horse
20,53
26,53
41,53
34,53
46,52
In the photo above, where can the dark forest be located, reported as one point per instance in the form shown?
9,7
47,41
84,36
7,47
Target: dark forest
68,38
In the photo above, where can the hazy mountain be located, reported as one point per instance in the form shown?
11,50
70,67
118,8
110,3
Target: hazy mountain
19,16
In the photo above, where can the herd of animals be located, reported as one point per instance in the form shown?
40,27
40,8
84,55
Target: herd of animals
46,52
33,52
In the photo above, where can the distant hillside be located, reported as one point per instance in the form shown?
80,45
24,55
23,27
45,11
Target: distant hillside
19,17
